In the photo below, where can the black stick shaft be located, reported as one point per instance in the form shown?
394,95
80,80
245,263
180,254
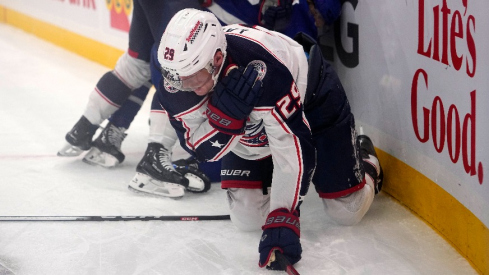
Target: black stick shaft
114,218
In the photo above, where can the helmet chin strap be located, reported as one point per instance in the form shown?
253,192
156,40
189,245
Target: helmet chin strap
215,75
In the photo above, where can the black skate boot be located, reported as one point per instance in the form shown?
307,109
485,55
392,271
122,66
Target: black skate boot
156,175
79,138
371,163
198,182
106,149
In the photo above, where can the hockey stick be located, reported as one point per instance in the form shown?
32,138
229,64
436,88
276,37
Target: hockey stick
112,218
286,265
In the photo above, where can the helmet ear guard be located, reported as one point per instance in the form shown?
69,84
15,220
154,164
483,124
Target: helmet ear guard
189,44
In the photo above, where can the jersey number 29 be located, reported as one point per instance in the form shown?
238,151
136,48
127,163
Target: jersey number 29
290,102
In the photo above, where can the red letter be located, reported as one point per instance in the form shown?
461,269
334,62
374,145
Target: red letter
426,53
469,164
471,46
437,101
453,154
414,105
445,11
456,22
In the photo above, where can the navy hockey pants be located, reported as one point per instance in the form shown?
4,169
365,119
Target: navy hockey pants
339,170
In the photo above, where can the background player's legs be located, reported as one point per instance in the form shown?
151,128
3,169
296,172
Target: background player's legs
131,72
110,93
123,117
106,149
114,87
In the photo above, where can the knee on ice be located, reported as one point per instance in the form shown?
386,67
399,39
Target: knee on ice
248,208
350,209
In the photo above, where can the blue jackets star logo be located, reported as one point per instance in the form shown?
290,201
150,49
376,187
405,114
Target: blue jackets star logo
216,144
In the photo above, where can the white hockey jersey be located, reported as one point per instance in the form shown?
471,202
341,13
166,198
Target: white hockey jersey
276,126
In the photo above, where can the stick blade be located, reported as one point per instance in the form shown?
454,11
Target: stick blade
286,265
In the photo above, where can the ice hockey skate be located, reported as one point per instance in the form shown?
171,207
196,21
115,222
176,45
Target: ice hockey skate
106,149
198,182
156,175
79,139
371,163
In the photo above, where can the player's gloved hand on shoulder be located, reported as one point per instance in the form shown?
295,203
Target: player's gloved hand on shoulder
275,14
282,232
198,182
233,99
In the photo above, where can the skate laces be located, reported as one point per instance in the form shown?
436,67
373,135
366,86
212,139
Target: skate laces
164,157
115,135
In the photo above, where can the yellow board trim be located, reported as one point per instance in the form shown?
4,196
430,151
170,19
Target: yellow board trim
451,219
464,231
86,47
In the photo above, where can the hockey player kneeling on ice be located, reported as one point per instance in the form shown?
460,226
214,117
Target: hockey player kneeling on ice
238,94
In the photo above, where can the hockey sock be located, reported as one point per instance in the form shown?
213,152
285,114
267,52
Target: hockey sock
106,98
129,109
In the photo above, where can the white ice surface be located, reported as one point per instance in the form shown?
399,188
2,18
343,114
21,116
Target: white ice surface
43,92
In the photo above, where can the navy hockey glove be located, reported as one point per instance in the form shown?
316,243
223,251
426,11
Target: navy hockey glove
280,232
233,100
198,182
275,16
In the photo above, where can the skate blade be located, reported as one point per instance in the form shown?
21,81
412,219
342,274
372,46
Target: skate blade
142,183
69,150
99,158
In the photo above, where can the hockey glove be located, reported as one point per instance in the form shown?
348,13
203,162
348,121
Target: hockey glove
280,232
275,15
233,100
198,182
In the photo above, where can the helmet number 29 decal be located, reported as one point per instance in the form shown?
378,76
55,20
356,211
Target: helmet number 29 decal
169,53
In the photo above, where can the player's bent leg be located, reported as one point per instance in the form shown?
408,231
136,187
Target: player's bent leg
248,208
132,71
107,97
114,87
350,209
125,115
247,183
160,129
